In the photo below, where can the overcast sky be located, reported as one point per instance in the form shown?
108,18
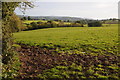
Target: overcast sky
95,9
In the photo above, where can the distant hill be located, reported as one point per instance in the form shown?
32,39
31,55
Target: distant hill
54,18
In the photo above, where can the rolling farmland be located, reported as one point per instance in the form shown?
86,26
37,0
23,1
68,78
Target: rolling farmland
105,38
58,53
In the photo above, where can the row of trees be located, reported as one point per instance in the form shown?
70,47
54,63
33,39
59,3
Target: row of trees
26,18
50,24
53,24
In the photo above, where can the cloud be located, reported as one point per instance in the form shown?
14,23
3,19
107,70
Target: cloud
77,9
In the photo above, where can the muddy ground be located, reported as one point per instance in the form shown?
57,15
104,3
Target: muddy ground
35,60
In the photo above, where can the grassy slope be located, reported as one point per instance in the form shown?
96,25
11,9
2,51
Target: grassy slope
73,37
29,21
82,67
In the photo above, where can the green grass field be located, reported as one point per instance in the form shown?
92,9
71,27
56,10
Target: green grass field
85,52
85,39
30,21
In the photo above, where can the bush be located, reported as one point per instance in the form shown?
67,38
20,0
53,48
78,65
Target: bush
33,24
15,23
49,24
95,24
10,70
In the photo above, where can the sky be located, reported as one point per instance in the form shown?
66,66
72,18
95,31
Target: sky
93,9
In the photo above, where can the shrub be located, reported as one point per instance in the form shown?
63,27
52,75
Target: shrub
33,24
16,23
95,24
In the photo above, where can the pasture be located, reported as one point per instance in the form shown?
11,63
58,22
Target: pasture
85,39
57,53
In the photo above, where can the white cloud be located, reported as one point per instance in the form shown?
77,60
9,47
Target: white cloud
77,9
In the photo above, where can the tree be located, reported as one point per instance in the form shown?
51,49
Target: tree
7,40
29,18
34,25
95,24
7,12
16,23
68,20
24,18
77,21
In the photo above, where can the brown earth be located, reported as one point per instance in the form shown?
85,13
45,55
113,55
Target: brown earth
35,60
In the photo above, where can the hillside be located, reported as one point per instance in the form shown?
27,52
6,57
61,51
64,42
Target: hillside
69,38
64,18
57,53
